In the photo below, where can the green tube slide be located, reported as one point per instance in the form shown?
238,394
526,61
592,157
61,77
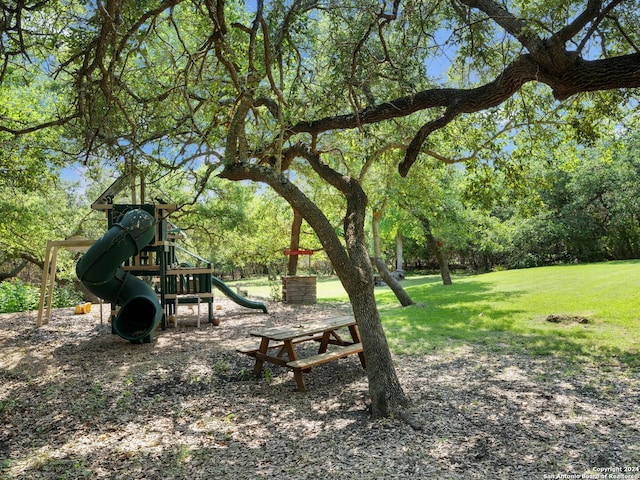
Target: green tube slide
99,270
220,285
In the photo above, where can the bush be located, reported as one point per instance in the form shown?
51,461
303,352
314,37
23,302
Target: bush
17,296
66,296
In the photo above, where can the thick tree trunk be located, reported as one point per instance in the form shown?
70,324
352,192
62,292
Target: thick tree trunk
387,395
352,266
294,244
435,247
385,390
395,286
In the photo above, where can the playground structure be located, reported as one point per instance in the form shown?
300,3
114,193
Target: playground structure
135,267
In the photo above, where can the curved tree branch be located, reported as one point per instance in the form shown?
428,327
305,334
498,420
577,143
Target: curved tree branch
512,24
589,14
579,76
547,62
14,271
414,147
598,19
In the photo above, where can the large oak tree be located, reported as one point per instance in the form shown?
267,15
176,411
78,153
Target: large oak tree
252,91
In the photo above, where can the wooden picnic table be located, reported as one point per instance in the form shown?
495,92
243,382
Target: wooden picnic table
277,345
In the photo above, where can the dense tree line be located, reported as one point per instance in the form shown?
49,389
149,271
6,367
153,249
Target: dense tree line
585,211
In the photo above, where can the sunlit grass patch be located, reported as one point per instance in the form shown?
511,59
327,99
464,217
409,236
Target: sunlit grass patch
511,309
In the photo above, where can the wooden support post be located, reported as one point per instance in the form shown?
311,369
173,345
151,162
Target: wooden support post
49,273
52,282
45,279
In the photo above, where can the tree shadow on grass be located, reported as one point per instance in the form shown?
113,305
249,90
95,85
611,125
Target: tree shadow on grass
623,262
462,311
475,313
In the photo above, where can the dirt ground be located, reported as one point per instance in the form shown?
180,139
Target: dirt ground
79,402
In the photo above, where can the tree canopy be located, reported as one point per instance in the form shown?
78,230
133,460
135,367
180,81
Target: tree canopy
131,77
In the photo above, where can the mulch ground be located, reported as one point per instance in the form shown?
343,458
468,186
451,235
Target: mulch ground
79,402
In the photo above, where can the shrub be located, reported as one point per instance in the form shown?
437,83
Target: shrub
66,296
17,296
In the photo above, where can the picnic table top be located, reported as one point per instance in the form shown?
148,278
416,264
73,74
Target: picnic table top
289,332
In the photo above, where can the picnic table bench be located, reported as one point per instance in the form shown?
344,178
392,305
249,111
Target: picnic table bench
277,345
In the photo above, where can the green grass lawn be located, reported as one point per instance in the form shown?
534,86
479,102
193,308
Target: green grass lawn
507,311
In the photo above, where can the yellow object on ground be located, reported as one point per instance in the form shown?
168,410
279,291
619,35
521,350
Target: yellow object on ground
83,308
